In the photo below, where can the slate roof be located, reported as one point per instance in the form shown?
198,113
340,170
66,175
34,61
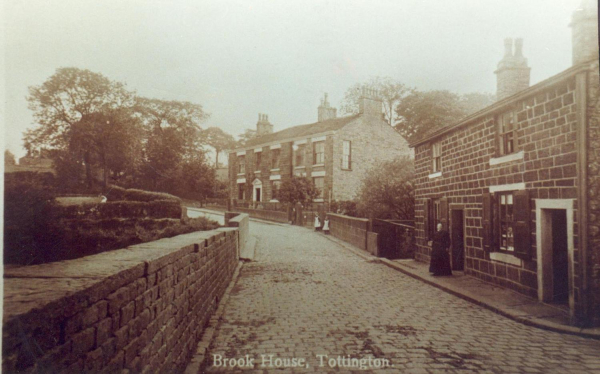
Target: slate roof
302,131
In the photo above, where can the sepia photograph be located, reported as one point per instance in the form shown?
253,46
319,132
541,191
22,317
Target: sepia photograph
286,186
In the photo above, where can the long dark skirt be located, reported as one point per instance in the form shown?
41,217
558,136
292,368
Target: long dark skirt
440,262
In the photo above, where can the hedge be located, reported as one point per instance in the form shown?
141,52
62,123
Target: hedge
76,238
116,193
121,209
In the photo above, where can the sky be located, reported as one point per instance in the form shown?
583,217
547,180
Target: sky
241,58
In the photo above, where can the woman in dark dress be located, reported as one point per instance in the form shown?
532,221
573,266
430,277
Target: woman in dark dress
440,258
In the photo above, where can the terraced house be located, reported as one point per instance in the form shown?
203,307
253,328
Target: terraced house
333,152
518,184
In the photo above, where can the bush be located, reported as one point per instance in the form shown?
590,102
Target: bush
121,209
345,207
83,237
116,193
28,200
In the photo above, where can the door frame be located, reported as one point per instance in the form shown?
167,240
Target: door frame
461,207
257,184
543,231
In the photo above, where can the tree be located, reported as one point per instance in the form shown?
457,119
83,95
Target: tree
109,140
219,140
66,107
297,190
182,117
421,113
247,135
9,158
391,92
387,191
475,101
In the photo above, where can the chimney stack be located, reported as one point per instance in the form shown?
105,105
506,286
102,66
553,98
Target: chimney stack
513,73
370,103
325,111
584,32
263,126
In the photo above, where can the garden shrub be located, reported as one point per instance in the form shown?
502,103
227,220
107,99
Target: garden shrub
28,226
121,209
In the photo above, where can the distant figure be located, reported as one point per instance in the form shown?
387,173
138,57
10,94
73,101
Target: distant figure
440,258
317,222
326,226
103,199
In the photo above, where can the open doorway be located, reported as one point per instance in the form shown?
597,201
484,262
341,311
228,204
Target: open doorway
560,257
555,251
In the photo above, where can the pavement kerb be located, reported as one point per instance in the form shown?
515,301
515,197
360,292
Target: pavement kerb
199,360
534,322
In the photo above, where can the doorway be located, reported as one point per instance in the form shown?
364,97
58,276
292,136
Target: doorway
257,194
555,251
560,257
457,238
257,190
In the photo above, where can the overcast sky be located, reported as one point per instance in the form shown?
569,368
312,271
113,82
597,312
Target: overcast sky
241,58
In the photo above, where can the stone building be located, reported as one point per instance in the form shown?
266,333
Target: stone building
517,184
334,152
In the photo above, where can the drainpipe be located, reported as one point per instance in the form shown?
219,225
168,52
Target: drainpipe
582,191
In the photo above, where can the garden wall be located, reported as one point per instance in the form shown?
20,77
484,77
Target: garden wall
349,229
269,215
141,308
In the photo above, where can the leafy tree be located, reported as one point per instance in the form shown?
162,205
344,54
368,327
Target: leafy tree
197,179
475,101
421,113
297,190
63,99
247,135
9,158
219,140
109,140
387,191
391,92
66,107
181,117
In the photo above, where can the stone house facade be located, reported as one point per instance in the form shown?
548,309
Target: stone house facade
517,184
333,152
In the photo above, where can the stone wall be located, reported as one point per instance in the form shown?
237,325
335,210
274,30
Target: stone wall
349,229
372,141
593,180
372,246
546,129
269,215
142,308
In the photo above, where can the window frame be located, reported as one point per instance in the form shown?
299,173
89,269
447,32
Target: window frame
275,158
241,164
241,191
322,189
436,157
506,139
347,157
318,157
257,160
506,221
275,186
300,152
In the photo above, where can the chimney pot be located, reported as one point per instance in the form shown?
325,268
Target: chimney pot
513,73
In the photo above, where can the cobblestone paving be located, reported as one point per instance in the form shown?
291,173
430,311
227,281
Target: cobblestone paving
306,296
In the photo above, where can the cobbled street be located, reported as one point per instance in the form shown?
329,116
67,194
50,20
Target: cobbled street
305,296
